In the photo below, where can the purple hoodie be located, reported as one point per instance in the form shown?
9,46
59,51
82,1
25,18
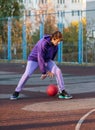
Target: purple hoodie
42,52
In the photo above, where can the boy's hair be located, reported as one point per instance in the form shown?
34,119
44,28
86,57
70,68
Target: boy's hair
57,35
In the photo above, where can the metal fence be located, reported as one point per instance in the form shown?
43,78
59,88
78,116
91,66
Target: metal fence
19,35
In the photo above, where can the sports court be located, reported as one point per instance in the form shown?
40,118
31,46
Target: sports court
35,110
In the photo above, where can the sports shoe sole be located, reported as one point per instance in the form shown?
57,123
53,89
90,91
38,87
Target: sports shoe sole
12,98
64,97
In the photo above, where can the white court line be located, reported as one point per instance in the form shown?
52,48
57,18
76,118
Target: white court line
82,119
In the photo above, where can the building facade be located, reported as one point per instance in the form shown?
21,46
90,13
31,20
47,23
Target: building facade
90,6
70,9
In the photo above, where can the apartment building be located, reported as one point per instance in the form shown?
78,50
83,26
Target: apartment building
66,10
90,6
70,9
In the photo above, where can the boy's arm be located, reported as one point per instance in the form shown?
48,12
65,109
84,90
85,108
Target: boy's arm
41,54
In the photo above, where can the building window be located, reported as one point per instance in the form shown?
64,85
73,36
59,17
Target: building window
75,13
78,13
60,1
64,13
45,1
72,13
29,13
58,13
61,13
42,1
76,1
63,1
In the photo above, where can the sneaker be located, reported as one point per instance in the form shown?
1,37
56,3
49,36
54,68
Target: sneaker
14,96
64,95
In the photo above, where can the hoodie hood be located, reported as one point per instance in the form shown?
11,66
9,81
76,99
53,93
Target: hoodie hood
47,37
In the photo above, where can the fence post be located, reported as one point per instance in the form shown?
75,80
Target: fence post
80,40
24,44
80,44
60,46
41,26
9,39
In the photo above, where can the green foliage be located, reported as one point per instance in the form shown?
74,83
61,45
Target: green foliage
35,37
10,8
70,38
70,46
50,24
16,32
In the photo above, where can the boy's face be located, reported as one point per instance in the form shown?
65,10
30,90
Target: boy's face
56,41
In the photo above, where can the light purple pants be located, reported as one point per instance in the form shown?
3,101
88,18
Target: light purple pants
32,66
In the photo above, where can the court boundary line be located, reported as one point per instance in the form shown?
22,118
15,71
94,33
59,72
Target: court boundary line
83,118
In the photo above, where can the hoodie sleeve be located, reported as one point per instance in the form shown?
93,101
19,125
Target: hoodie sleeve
42,50
55,52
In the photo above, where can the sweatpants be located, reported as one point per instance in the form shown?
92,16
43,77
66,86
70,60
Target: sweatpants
32,66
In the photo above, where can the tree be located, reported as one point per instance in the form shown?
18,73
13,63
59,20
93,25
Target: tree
45,14
8,8
71,40
50,19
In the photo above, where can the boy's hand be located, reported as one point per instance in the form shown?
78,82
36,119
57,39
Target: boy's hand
50,74
43,76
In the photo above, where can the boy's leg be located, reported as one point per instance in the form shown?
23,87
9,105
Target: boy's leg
51,66
30,68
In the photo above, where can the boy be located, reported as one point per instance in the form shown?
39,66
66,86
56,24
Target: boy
42,55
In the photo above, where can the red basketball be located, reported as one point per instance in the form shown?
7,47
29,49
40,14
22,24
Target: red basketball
52,90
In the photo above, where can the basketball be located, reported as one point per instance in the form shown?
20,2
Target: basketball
52,90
